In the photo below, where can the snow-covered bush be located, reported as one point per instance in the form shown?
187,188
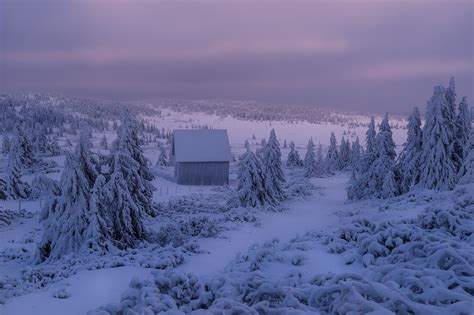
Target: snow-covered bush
41,276
298,184
413,266
176,234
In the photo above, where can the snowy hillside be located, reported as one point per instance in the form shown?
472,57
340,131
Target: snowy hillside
332,214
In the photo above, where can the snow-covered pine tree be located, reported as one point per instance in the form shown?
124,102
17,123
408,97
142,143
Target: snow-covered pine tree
408,164
463,129
344,154
41,142
21,149
128,139
374,175
128,144
163,157
466,174
332,157
309,162
98,236
298,159
251,189
15,187
292,160
66,217
437,169
136,185
381,171
370,137
448,111
272,167
87,162
356,153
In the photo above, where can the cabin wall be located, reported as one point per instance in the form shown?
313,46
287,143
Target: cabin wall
202,173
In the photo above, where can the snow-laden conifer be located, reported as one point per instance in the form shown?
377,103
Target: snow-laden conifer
309,162
272,167
128,140
463,129
356,152
15,187
333,162
21,149
370,137
293,159
344,154
162,157
251,188
466,173
66,216
87,162
408,164
382,178
437,169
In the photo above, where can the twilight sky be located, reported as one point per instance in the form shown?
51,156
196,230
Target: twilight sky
357,55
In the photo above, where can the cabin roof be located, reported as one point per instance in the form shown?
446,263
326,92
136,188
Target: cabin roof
201,145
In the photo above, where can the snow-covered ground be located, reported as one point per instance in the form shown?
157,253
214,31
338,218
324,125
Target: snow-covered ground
300,239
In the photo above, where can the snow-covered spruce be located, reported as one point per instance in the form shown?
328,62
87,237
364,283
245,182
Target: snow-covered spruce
438,170
124,201
251,188
309,161
15,188
356,153
21,150
274,177
466,174
408,164
333,161
344,154
66,218
293,160
375,177
88,162
128,141
163,157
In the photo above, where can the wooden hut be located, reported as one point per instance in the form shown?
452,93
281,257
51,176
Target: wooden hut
201,156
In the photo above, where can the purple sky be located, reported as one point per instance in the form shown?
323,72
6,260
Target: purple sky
356,55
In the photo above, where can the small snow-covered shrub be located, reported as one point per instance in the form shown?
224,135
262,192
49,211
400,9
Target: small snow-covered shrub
176,234
43,275
428,260
61,293
298,185
242,215
198,203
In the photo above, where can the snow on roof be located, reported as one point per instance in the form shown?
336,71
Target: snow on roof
201,145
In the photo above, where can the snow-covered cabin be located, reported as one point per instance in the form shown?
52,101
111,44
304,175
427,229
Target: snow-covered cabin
201,156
